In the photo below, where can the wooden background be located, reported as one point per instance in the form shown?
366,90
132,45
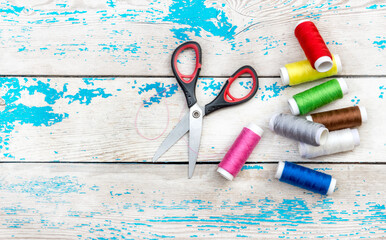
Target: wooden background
87,95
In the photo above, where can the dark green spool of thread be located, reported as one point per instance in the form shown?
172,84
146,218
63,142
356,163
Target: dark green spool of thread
317,96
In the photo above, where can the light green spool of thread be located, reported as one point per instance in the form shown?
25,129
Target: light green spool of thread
317,96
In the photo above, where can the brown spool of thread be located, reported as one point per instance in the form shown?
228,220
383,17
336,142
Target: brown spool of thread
340,118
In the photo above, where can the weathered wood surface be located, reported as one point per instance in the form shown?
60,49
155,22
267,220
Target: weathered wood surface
115,119
99,37
91,138
136,201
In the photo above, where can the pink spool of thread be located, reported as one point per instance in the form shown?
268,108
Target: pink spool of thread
241,149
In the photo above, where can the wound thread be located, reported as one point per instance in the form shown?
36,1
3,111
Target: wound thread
302,72
299,129
313,46
306,178
240,151
338,141
318,96
340,118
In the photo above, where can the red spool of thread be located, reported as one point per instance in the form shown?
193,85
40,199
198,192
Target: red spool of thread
313,46
238,154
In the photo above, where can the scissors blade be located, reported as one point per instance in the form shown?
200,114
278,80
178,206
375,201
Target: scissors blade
179,130
195,127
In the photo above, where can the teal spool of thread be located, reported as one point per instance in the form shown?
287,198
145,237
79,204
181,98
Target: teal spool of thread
317,96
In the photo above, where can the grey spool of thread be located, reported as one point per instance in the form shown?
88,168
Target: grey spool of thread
299,129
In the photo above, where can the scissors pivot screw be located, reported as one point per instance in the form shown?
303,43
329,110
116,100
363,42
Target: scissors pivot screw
196,114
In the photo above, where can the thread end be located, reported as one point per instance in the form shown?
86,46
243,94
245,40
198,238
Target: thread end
225,173
331,188
355,135
256,129
343,86
338,63
272,122
284,76
323,64
363,114
280,169
293,106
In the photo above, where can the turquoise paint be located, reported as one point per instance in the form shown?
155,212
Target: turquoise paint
382,89
85,96
249,167
46,189
196,18
380,44
376,6
355,100
11,9
211,85
161,91
17,113
271,91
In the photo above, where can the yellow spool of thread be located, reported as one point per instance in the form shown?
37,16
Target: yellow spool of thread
301,72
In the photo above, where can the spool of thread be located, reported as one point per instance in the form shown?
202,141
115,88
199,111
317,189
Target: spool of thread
240,150
301,72
299,129
340,118
318,96
306,178
313,46
338,141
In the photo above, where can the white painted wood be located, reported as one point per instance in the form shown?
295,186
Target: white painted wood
94,120
136,201
99,37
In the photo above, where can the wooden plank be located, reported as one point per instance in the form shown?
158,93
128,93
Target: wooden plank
82,37
115,119
136,201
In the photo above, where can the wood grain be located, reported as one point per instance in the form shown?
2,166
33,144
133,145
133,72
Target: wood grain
126,201
87,96
83,37
112,119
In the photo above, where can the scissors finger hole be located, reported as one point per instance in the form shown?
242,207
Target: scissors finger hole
186,63
240,88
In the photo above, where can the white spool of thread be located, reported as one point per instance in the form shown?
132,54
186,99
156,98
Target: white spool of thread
337,141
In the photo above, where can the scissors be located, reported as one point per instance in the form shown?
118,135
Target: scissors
192,121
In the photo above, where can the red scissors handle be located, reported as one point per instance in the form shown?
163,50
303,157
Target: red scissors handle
188,82
225,98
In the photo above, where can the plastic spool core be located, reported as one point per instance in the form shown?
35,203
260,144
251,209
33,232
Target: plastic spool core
280,169
256,129
302,21
343,86
272,121
331,188
321,136
363,114
338,63
293,106
225,173
323,64
284,76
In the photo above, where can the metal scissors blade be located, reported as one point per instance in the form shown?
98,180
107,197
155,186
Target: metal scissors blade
195,128
178,131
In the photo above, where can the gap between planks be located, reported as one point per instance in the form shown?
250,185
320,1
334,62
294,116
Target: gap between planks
186,162
168,76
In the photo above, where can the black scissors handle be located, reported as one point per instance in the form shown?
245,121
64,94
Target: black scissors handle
225,98
188,82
